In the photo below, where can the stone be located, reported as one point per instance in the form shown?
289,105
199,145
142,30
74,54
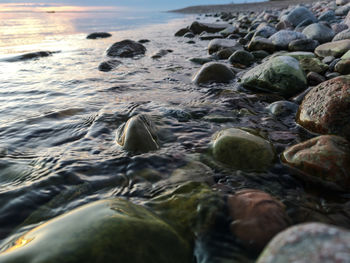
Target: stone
313,78
181,32
313,64
126,48
327,16
343,10
342,2
210,36
242,57
333,63
335,49
229,31
347,19
304,24
310,242
346,55
143,41
216,45
265,32
343,67
189,35
331,75
282,108
102,231
201,61
328,60
260,54
242,150
299,55
299,14
98,35
109,65
256,217
139,134
213,72
319,32
323,159
260,43
225,53
282,38
342,35
326,108
161,53
337,28
308,45
28,56
281,75
198,27
284,25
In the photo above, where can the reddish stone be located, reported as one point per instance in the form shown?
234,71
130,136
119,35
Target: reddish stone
326,108
257,217
325,158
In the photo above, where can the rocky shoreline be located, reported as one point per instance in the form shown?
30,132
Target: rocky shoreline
295,64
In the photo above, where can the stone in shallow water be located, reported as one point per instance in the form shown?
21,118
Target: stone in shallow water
181,32
281,75
306,243
109,65
322,159
282,108
103,231
319,32
126,48
161,53
242,57
216,45
335,49
242,150
326,108
198,27
139,134
98,35
214,72
256,217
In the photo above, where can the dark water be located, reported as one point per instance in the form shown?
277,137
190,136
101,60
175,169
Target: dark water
58,122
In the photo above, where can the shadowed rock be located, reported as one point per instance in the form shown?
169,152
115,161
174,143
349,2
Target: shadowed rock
213,72
126,48
98,35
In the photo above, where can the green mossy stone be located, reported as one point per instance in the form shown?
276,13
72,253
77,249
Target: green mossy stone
101,232
280,75
313,65
242,150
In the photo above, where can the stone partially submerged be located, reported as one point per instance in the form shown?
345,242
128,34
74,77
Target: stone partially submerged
213,72
126,48
281,75
104,231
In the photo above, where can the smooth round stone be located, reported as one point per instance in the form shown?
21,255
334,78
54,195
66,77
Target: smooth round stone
342,11
282,38
161,53
225,53
265,31
314,78
242,57
282,108
189,35
313,64
327,16
346,55
328,60
306,243
259,43
101,232
284,25
325,159
229,31
213,72
256,217
299,14
109,65
218,44
201,61
335,49
181,32
260,54
343,67
303,45
126,48
319,32
326,108
98,35
242,150
281,75
304,24
139,134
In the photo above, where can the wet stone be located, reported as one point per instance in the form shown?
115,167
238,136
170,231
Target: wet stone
241,57
213,72
313,78
324,159
216,45
161,53
109,65
242,150
189,35
282,108
256,217
97,35
198,27
126,48
310,242
181,32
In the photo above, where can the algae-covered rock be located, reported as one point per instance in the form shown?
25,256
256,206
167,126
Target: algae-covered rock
281,75
313,64
242,150
306,243
101,232
139,134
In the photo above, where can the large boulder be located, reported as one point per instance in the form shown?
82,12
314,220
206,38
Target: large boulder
324,159
198,27
319,32
298,15
306,243
282,38
213,72
139,134
256,217
242,150
126,48
326,108
216,45
335,49
281,75
104,231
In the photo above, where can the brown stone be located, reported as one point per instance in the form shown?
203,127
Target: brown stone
326,108
325,159
343,66
257,217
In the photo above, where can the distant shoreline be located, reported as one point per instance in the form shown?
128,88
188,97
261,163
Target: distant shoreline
255,6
